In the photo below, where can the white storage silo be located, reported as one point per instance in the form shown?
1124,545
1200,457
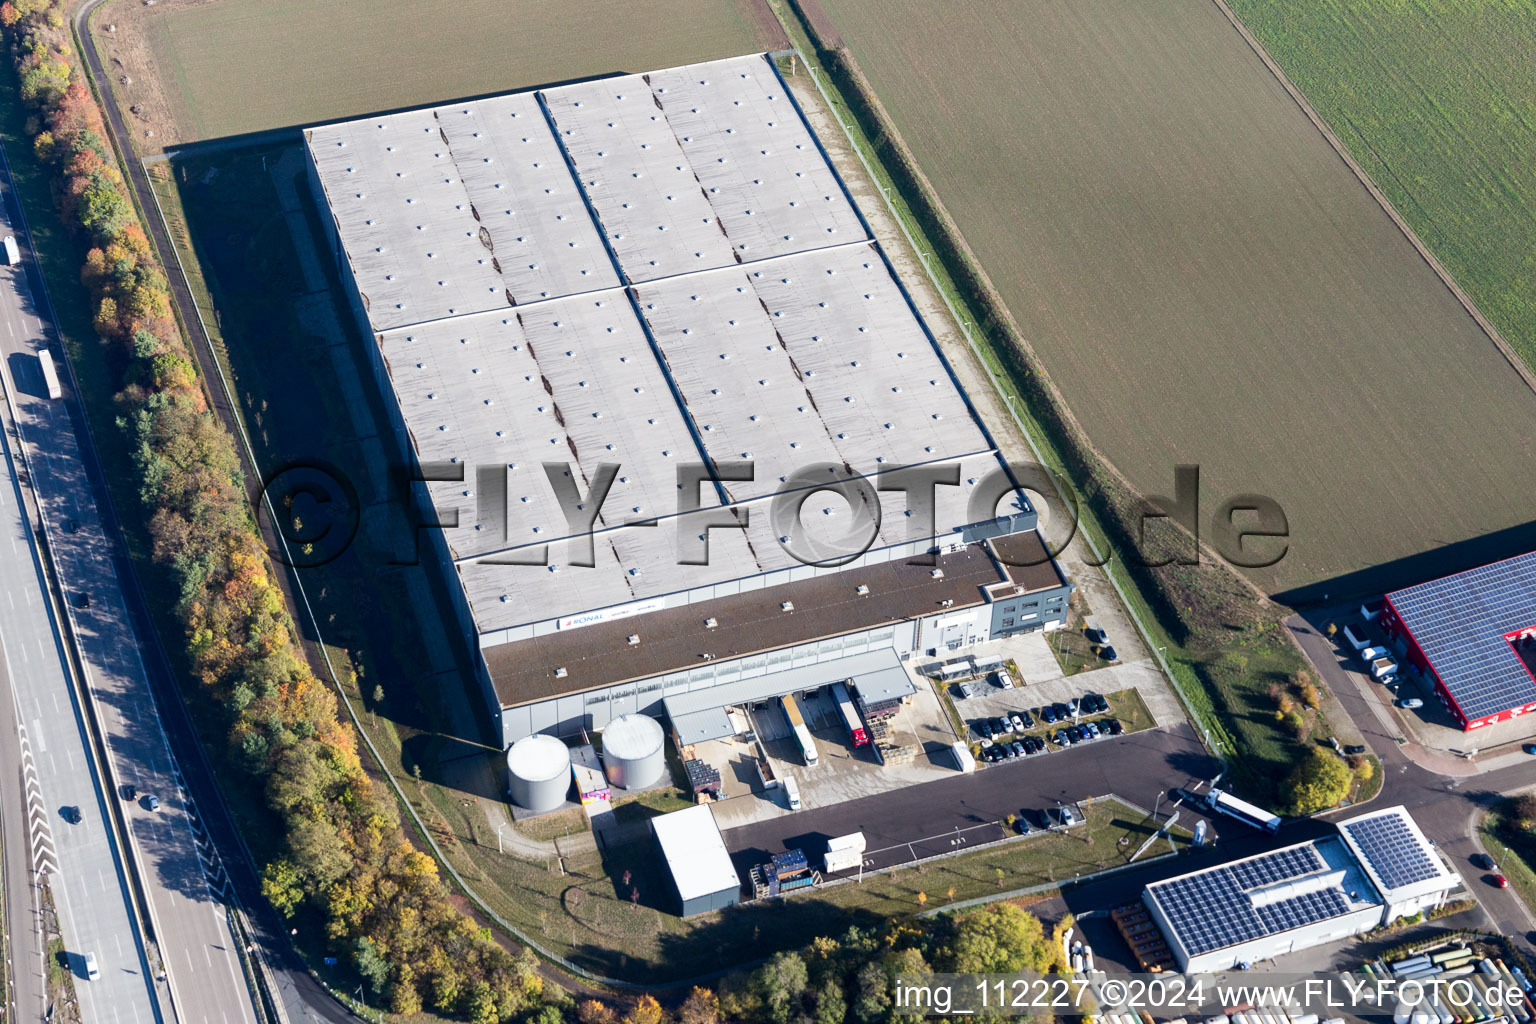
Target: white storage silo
633,751
538,772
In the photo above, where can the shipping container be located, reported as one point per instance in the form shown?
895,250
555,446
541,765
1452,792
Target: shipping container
801,731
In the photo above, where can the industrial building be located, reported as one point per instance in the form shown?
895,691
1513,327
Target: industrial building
1474,632
661,385
1378,868
702,875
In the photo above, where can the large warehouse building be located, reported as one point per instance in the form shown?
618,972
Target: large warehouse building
1475,633
1378,868
634,330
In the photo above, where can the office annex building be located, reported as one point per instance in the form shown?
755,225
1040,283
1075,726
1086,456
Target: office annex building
605,284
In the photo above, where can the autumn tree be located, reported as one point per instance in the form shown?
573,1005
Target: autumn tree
701,1007
1319,780
1000,938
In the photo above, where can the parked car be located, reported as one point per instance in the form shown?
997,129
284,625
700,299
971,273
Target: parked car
1003,679
1483,861
1529,748
1113,726
1409,703
1092,729
1500,881
1048,715
1059,737
1093,703
1001,725
1069,816
1354,749
1072,708
1017,721
1026,718
1018,748
1107,653
1094,635
1061,711
1021,824
966,693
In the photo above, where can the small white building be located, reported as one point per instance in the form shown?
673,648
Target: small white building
703,876
1401,862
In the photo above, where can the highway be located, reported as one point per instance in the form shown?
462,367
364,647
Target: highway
183,880
47,743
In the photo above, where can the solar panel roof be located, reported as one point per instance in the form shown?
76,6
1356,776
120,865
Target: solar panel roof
1460,623
1249,899
1393,849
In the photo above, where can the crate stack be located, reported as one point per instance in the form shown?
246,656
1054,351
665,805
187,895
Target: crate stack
702,778
1147,944
784,873
878,716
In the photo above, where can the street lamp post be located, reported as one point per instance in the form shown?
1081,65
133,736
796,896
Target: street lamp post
499,826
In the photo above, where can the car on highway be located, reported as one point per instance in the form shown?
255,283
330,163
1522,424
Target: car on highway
151,802
80,599
130,792
71,815
71,525
1483,861
1529,748
92,972
1409,703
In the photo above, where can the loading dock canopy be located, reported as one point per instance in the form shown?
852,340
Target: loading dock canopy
700,715
695,853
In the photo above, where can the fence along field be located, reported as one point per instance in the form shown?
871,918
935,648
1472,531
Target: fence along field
228,67
1437,101
1200,274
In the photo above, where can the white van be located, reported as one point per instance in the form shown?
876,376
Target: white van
91,971
792,793
1355,634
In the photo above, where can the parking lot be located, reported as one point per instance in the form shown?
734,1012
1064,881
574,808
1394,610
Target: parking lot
961,810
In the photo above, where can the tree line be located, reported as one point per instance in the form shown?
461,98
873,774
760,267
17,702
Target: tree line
344,854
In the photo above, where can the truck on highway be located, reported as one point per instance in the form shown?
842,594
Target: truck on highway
798,727
12,252
850,715
50,374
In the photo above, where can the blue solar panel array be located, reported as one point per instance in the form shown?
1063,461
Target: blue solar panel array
1393,851
1211,910
1460,623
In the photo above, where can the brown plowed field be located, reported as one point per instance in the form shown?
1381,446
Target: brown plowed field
205,69
1202,275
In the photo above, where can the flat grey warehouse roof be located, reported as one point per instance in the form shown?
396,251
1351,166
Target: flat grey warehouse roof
650,270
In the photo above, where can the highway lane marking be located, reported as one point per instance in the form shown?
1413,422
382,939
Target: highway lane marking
42,741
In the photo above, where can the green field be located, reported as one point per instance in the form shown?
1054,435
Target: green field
236,66
1436,99
1200,275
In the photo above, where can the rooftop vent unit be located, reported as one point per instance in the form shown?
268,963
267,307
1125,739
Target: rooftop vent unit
787,606
937,574
862,589
560,673
710,624
632,639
